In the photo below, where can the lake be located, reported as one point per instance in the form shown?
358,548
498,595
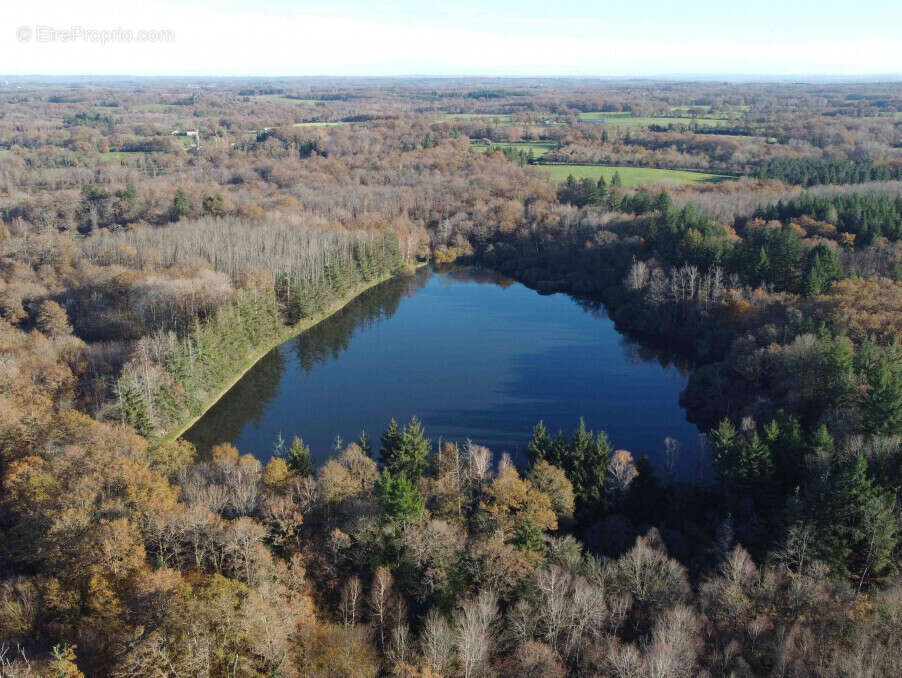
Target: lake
475,356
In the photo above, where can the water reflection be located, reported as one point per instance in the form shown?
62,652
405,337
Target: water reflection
474,355
329,339
243,404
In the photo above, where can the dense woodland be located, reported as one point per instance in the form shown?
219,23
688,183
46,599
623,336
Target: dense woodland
158,236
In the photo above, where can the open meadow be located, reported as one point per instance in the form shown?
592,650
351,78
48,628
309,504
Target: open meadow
632,176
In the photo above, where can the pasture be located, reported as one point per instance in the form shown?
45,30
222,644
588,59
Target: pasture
632,176
494,117
626,119
538,148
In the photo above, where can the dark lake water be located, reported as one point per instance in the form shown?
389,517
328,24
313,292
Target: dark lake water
473,355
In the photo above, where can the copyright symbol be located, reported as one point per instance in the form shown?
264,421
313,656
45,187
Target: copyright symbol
23,33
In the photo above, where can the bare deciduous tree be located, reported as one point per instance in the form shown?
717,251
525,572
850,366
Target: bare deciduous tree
350,601
437,643
474,632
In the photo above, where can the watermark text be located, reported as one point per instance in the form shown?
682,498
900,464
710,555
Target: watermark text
97,36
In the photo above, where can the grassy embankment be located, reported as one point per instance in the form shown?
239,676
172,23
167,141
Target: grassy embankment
255,356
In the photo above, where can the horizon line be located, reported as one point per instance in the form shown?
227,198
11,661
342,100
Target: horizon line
411,76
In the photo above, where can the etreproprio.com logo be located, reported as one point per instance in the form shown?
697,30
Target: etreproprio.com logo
99,36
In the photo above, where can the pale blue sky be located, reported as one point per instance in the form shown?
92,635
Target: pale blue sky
523,37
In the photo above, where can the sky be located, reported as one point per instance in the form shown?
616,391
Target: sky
464,37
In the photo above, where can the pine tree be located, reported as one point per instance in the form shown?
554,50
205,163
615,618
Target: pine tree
415,449
559,452
584,459
364,442
897,270
762,268
783,435
663,202
406,451
180,205
298,458
822,441
588,193
755,464
134,410
723,443
530,537
391,443
839,354
883,404
579,450
840,518
821,268
594,474
813,282
539,444
400,498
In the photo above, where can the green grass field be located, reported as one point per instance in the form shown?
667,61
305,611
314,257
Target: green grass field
684,110
539,148
625,119
494,117
319,124
604,115
687,108
631,176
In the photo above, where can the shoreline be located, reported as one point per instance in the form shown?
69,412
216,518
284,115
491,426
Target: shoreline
290,333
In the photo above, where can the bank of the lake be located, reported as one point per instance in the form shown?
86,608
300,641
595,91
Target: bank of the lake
681,333
258,353
471,353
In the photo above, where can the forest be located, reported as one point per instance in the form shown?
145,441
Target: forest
157,239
